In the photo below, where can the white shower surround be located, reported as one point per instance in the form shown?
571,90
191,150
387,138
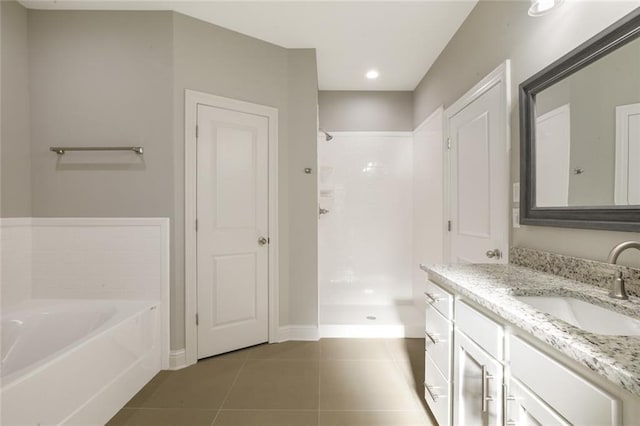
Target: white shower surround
365,251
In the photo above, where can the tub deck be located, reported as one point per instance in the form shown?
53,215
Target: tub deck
76,361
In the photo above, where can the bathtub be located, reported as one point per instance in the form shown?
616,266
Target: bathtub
76,361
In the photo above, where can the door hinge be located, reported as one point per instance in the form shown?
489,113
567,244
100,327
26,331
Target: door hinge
449,225
197,320
196,131
448,143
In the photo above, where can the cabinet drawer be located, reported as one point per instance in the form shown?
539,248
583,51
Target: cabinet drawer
573,397
438,339
487,333
437,392
524,407
439,298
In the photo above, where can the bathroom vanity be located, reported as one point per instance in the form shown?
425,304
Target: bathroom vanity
493,358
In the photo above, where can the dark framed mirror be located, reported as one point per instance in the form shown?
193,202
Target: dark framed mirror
580,135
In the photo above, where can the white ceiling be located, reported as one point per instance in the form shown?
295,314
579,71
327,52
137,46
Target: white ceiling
401,39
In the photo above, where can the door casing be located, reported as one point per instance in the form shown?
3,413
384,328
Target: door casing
192,100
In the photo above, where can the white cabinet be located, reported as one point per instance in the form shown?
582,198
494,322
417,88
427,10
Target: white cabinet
523,407
468,357
477,376
488,334
572,396
437,392
438,352
438,340
439,298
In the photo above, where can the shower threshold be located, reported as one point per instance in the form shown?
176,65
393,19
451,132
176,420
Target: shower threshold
371,321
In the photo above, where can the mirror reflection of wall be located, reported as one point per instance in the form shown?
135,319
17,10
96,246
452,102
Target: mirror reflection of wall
577,162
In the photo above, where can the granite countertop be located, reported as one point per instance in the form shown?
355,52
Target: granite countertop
616,358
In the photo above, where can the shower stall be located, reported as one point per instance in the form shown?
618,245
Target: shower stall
365,235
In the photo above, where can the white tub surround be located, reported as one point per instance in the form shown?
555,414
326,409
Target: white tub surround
569,369
15,261
76,361
85,315
87,258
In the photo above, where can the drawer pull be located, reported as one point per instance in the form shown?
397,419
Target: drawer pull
485,389
434,298
431,390
433,337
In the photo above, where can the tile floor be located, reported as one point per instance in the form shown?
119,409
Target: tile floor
346,382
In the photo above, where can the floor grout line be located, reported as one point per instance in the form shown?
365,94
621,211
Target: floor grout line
319,378
391,353
244,362
303,410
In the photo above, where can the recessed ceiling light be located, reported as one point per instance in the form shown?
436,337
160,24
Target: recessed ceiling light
540,7
372,74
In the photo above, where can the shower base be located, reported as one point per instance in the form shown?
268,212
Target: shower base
373,321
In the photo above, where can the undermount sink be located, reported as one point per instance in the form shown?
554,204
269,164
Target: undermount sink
584,315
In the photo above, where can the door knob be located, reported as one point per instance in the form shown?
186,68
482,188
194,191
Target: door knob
494,253
262,241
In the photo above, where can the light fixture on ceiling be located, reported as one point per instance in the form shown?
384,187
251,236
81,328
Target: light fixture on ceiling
540,7
372,74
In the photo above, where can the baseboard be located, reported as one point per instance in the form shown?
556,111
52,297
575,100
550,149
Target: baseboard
298,332
7,222
177,359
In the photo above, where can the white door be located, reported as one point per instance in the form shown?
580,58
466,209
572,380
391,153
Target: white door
525,408
478,178
627,183
477,377
232,214
553,150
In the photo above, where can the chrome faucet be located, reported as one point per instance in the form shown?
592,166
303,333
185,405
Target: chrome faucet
617,287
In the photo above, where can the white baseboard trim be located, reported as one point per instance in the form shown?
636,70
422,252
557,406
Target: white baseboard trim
298,332
177,359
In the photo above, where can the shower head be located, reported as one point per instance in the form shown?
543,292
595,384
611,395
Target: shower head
327,136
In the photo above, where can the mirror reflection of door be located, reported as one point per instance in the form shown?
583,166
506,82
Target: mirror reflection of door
627,190
553,140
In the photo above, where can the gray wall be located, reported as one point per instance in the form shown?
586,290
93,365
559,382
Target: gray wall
105,78
366,111
303,191
101,78
15,167
493,32
212,59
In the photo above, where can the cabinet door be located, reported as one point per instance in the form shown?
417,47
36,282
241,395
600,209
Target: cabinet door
524,408
478,384
571,395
